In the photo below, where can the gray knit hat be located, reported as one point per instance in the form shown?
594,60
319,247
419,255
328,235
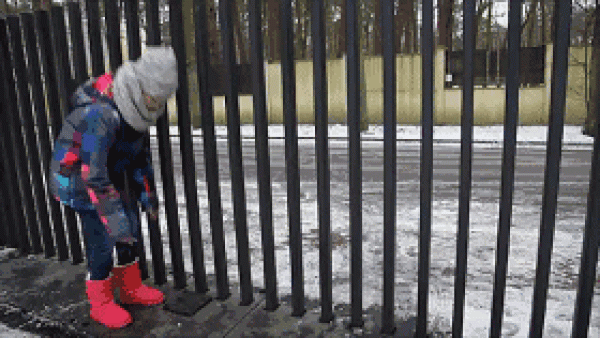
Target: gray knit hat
153,74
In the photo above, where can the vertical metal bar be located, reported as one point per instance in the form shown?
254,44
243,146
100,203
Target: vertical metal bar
113,34
553,154
262,154
465,169
354,113
589,255
79,61
10,173
389,165
322,153
92,10
37,91
66,86
235,151
40,209
591,237
508,165
291,152
210,150
18,121
132,22
153,37
187,149
166,161
426,166
134,46
53,99
9,96
5,208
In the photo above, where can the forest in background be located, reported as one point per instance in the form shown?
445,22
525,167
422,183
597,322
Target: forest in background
491,34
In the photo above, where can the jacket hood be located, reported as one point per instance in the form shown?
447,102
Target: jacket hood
86,94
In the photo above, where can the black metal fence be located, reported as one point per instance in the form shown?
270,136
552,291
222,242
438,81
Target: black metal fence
38,74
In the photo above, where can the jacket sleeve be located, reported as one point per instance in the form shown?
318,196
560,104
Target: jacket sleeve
96,142
143,176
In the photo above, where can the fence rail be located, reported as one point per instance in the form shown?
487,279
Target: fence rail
37,79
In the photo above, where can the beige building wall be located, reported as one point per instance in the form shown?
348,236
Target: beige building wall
490,103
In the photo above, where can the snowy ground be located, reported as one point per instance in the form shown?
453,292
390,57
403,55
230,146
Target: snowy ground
493,134
482,241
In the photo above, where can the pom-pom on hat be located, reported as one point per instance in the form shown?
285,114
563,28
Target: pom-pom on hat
154,74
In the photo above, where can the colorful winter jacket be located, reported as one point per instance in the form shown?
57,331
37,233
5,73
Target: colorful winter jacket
94,149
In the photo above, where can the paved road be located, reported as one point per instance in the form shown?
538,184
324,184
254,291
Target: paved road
486,174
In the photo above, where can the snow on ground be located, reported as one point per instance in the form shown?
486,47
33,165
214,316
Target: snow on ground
571,134
482,242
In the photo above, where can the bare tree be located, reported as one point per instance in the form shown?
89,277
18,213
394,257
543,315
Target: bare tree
446,23
274,29
213,32
406,26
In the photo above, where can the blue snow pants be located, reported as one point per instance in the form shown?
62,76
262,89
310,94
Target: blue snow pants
99,247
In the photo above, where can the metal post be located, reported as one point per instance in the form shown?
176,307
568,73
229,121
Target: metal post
508,164
466,167
427,44
322,153
389,165
210,151
262,154
10,178
187,150
235,151
52,97
551,175
354,113
15,122
591,238
79,61
288,75
37,91
92,10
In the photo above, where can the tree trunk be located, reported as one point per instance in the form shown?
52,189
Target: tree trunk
531,23
38,5
274,29
213,33
240,39
478,18
342,31
446,23
399,22
189,37
377,37
405,22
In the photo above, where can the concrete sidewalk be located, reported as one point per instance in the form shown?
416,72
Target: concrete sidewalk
45,297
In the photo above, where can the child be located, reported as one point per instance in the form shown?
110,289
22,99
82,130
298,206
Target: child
101,139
